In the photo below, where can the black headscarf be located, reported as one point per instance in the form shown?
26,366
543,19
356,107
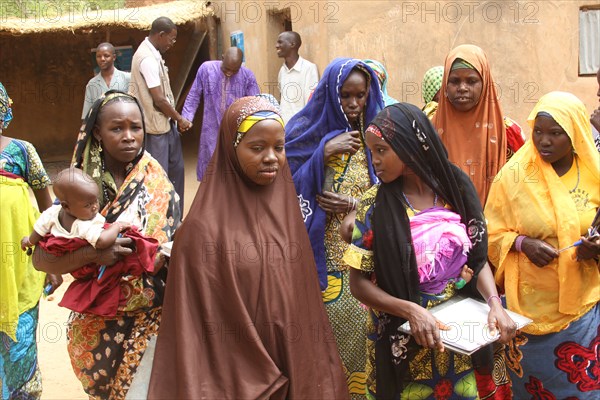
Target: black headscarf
412,137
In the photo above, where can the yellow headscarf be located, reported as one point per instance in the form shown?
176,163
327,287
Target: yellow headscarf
529,198
251,120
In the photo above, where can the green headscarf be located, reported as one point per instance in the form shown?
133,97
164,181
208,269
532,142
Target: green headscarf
432,82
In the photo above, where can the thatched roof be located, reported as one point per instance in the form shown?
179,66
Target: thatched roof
54,19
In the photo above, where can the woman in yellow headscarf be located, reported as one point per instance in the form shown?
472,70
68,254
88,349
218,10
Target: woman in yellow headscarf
544,200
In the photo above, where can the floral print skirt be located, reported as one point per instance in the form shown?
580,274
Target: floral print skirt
105,352
562,365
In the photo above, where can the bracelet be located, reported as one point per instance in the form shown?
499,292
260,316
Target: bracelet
492,297
519,242
351,204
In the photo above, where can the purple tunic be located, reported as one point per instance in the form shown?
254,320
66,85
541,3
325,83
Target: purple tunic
219,92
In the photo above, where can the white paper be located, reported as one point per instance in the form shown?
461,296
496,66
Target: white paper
467,320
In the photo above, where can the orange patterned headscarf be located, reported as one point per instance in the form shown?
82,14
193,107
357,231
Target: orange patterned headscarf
476,140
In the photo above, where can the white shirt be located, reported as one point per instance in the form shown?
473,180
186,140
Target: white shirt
296,84
88,230
149,67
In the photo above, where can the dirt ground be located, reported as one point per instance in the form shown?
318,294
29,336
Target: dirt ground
58,379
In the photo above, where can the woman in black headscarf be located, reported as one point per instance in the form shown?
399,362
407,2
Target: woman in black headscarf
395,274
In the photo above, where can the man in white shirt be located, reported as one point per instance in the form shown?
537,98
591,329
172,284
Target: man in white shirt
297,76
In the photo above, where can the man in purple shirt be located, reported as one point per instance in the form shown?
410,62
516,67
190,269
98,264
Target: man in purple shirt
221,83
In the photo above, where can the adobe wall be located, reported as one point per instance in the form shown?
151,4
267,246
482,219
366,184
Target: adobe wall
532,46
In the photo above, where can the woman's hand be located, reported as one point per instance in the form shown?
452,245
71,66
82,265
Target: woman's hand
539,252
347,142
55,280
588,249
44,261
425,328
336,203
122,247
499,320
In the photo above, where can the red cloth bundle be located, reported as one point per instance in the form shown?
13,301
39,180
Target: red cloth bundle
102,297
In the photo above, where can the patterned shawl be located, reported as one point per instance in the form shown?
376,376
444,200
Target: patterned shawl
321,120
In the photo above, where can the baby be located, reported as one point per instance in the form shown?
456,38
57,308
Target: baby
77,214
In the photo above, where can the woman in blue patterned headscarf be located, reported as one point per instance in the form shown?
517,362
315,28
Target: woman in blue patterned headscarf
20,284
331,169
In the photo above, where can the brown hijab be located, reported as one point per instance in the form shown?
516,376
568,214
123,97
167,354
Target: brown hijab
476,140
243,316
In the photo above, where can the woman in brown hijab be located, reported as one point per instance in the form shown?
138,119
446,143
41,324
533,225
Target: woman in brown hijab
469,117
243,316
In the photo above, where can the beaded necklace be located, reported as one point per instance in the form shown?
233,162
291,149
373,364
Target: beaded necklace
435,199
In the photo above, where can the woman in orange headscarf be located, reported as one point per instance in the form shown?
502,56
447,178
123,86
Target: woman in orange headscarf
470,120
